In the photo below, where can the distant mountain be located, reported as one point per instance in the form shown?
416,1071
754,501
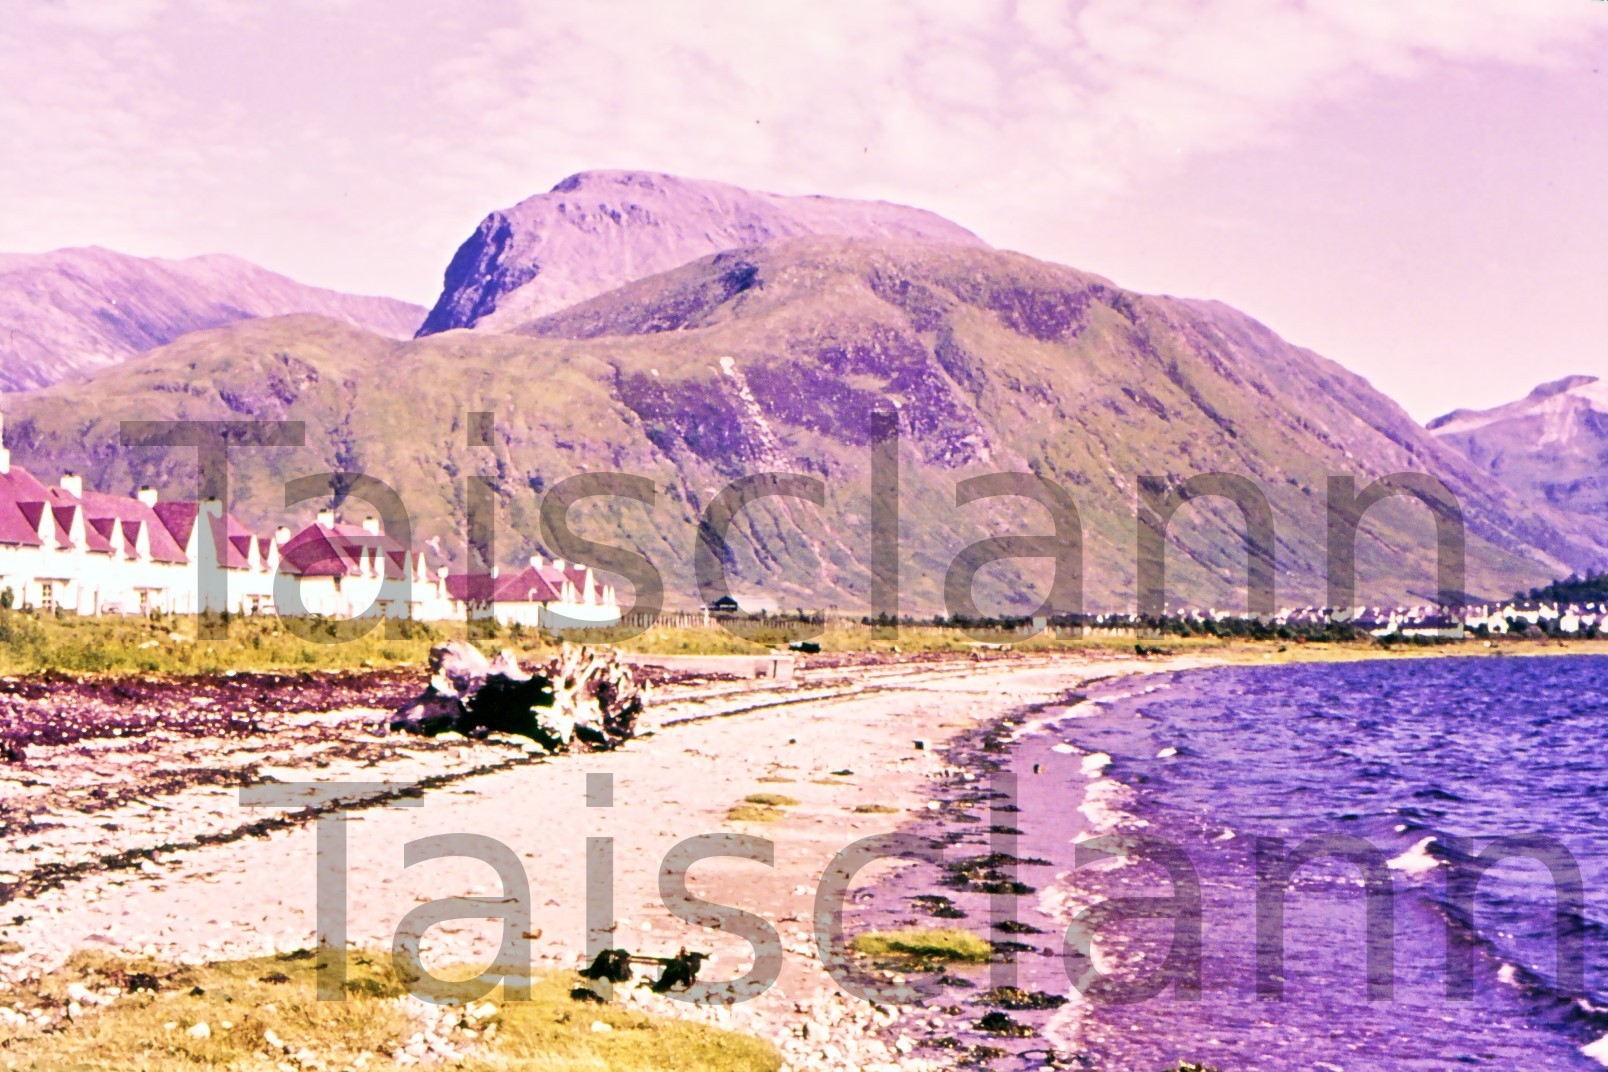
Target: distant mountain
74,311
1550,446
600,229
773,358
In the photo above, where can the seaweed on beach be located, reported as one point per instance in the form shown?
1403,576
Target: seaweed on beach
53,709
937,905
1016,999
986,873
1006,947
997,1023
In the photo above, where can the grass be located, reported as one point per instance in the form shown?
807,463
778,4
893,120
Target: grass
875,809
31,642
923,943
774,800
152,1030
751,813
761,808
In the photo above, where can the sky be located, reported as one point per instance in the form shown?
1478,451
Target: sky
1414,188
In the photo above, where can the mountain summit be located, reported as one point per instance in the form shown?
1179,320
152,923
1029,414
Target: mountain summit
598,230
1550,446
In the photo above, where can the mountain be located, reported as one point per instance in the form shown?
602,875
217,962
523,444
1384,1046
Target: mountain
73,311
1550,446
774,358
600,229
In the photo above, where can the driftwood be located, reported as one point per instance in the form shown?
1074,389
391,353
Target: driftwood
584,699
678,972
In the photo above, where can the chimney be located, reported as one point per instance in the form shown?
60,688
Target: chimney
5,455
212,506
326,518
536,562
281,535
147,495
558,564
73,484
371,525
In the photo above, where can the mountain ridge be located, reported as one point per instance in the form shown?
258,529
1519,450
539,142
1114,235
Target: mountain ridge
1550,446
72,311
776,357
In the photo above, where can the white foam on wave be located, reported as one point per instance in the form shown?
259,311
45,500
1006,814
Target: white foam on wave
1118,697
1062,900
1081,709
1167,753
1105,805
1597,1051
1064,1029
1066,748
1507,975
1094,764
1417,860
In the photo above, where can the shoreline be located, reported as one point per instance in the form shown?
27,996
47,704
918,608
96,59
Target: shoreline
256,893
1113,1034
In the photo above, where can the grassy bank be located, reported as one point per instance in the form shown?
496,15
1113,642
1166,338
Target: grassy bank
32,642
101,1014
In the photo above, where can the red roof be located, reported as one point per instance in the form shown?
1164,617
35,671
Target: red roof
15,528
98,534
232,539
19,485
178,517
528,585
342,550
133,517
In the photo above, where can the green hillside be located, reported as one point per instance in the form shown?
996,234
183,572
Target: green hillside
775,359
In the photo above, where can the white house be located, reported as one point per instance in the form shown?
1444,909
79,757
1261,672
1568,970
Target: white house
555,596
86,552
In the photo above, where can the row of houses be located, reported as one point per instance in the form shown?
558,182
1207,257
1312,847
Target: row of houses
67,548
1486,619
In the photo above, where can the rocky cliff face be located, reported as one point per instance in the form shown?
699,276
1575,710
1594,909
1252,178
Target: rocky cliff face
1550,446
600,229
74,311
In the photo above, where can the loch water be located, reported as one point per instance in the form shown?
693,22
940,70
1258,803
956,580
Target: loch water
1407,770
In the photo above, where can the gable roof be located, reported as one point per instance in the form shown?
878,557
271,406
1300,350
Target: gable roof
342,550
15,528
135,517
19,527
529,585
178,517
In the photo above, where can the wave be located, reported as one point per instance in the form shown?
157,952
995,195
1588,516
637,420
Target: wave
1094,764
1418,860
1107,805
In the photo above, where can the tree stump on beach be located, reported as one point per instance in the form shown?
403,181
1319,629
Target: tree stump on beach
584,699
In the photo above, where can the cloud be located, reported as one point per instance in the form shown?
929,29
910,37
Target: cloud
356,143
